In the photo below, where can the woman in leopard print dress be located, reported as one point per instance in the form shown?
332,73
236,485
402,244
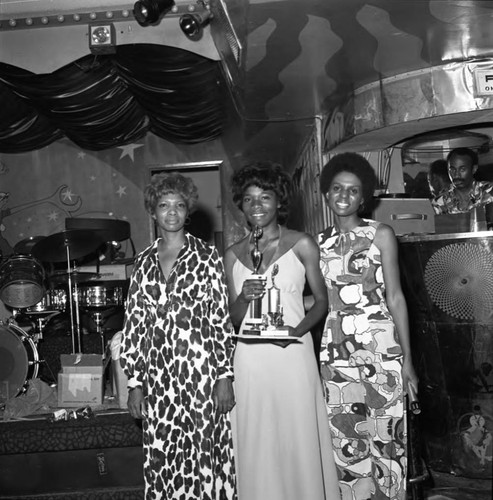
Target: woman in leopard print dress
177,353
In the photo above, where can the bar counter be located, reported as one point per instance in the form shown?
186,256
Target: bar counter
417,237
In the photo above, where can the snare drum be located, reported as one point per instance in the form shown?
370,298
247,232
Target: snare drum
21,281
54,299
19,361
100,296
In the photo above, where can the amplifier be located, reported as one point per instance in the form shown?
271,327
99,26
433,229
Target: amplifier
406,215
108,272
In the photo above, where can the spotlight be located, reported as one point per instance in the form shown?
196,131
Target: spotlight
192,24
102,38
149,11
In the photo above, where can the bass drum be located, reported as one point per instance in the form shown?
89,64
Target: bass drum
19,361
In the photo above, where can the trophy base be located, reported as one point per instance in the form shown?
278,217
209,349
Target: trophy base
256,336
260,277
264,332
277,332
254,322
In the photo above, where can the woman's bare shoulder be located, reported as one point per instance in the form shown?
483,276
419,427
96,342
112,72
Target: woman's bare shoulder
384,230
237,250
384,235
297,240
239,246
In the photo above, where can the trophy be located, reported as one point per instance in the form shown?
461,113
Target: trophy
269,322
274,307
255,312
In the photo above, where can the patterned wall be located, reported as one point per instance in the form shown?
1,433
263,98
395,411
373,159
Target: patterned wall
39,190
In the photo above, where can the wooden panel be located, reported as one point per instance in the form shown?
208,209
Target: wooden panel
70,471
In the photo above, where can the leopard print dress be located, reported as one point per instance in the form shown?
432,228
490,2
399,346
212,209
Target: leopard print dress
176,344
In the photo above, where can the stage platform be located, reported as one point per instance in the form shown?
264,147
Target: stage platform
93,458
100,458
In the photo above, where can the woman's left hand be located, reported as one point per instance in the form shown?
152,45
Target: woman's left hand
224,397
285,343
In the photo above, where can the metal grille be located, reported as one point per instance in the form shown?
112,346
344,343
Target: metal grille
459,280
221,16
230,49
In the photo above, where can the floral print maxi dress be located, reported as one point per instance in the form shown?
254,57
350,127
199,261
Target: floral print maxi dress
176,344
361,362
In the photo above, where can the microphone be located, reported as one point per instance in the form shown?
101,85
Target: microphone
413,400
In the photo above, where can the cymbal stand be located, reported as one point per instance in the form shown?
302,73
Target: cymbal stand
77,314
75,326
42,320
97,317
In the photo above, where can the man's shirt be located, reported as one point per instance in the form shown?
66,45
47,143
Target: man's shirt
449,202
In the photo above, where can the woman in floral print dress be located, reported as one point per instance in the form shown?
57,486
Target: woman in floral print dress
365,356
177,353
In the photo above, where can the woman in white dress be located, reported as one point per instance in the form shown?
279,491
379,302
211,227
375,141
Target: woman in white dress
280,426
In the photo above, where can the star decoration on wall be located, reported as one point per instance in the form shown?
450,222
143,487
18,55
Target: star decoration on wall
128,150
53,216
81,155
67,195
122,191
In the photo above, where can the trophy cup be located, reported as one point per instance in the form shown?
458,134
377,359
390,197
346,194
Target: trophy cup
270,322
274,306
274,323
255,308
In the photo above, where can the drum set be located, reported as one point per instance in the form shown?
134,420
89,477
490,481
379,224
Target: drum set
30,291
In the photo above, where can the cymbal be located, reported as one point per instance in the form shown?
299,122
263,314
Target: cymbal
106,229
78,242
62,278
126,260
25,246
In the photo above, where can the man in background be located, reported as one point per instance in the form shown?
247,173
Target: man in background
465,193
438,179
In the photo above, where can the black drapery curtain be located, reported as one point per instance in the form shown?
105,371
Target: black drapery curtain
104,101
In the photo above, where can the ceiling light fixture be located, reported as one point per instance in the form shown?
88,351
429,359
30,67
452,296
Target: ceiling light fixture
192,24
102,38
150,11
